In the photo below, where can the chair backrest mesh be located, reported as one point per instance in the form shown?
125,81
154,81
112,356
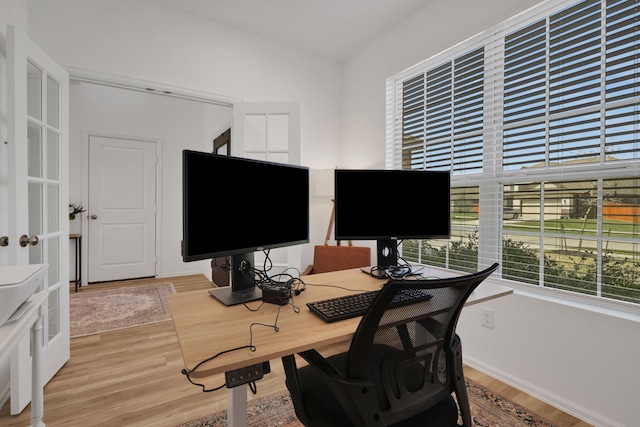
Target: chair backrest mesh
408,348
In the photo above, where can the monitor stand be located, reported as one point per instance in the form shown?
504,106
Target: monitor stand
387,257
243,287
378,273
387,253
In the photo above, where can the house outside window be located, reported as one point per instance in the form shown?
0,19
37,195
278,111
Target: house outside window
538,122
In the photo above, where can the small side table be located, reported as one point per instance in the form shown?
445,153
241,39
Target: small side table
78,243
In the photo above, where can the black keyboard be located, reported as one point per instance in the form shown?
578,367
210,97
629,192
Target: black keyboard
354,305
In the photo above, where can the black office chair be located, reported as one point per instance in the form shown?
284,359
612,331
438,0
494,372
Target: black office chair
402,367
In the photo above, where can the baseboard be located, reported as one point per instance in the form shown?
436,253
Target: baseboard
546,396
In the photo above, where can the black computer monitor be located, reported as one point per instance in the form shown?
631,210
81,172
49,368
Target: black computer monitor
235,207
391,205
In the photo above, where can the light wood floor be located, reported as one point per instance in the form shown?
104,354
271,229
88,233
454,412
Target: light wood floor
132,378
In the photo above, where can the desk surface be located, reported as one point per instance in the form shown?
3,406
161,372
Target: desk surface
205,327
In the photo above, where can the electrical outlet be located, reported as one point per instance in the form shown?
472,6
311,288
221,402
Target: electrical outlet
486,318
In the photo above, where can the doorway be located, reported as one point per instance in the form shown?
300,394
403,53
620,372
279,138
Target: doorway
174,124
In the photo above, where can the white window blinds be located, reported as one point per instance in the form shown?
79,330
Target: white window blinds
442,111
538,121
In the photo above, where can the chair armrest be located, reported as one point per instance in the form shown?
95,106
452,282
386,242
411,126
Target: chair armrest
349,391
358,404
316,359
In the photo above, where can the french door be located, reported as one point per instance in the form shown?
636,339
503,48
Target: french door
37,197
269,131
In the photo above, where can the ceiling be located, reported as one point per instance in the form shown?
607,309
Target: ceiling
333,28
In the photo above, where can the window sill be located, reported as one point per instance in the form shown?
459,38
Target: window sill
608,307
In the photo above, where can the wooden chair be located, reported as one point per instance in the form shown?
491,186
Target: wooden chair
333,258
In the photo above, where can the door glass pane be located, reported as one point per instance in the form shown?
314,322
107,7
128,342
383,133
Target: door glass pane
53,155
256,155
278,132
34,148
53,98
255,137
54,313
34,91
278,157
53,208
53,246
35,254
35,208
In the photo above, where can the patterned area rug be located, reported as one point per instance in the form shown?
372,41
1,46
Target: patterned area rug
487,410
95,312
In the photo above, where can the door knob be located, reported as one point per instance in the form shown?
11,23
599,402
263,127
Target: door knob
26,240
4,241
94,216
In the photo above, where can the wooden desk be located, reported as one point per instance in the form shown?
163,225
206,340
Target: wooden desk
205,327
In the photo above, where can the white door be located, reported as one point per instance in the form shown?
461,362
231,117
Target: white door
269,131
122,208
38,225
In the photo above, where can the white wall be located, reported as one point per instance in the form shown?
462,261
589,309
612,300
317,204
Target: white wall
577,359
580,360
144,41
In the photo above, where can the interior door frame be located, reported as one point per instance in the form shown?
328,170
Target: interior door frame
86,137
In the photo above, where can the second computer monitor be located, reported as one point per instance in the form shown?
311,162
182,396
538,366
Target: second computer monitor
391,205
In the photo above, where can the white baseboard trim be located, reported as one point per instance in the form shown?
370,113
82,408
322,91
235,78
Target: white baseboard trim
546,396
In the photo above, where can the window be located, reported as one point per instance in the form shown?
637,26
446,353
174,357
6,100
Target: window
539,123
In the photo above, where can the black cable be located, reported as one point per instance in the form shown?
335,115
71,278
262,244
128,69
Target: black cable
253,309
292,283
267,258
337,287
188,372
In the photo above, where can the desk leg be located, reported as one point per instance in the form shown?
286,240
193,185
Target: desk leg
237,412
78,262
37,395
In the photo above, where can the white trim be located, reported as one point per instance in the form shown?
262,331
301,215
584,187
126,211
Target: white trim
86,76
612,308
608,307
